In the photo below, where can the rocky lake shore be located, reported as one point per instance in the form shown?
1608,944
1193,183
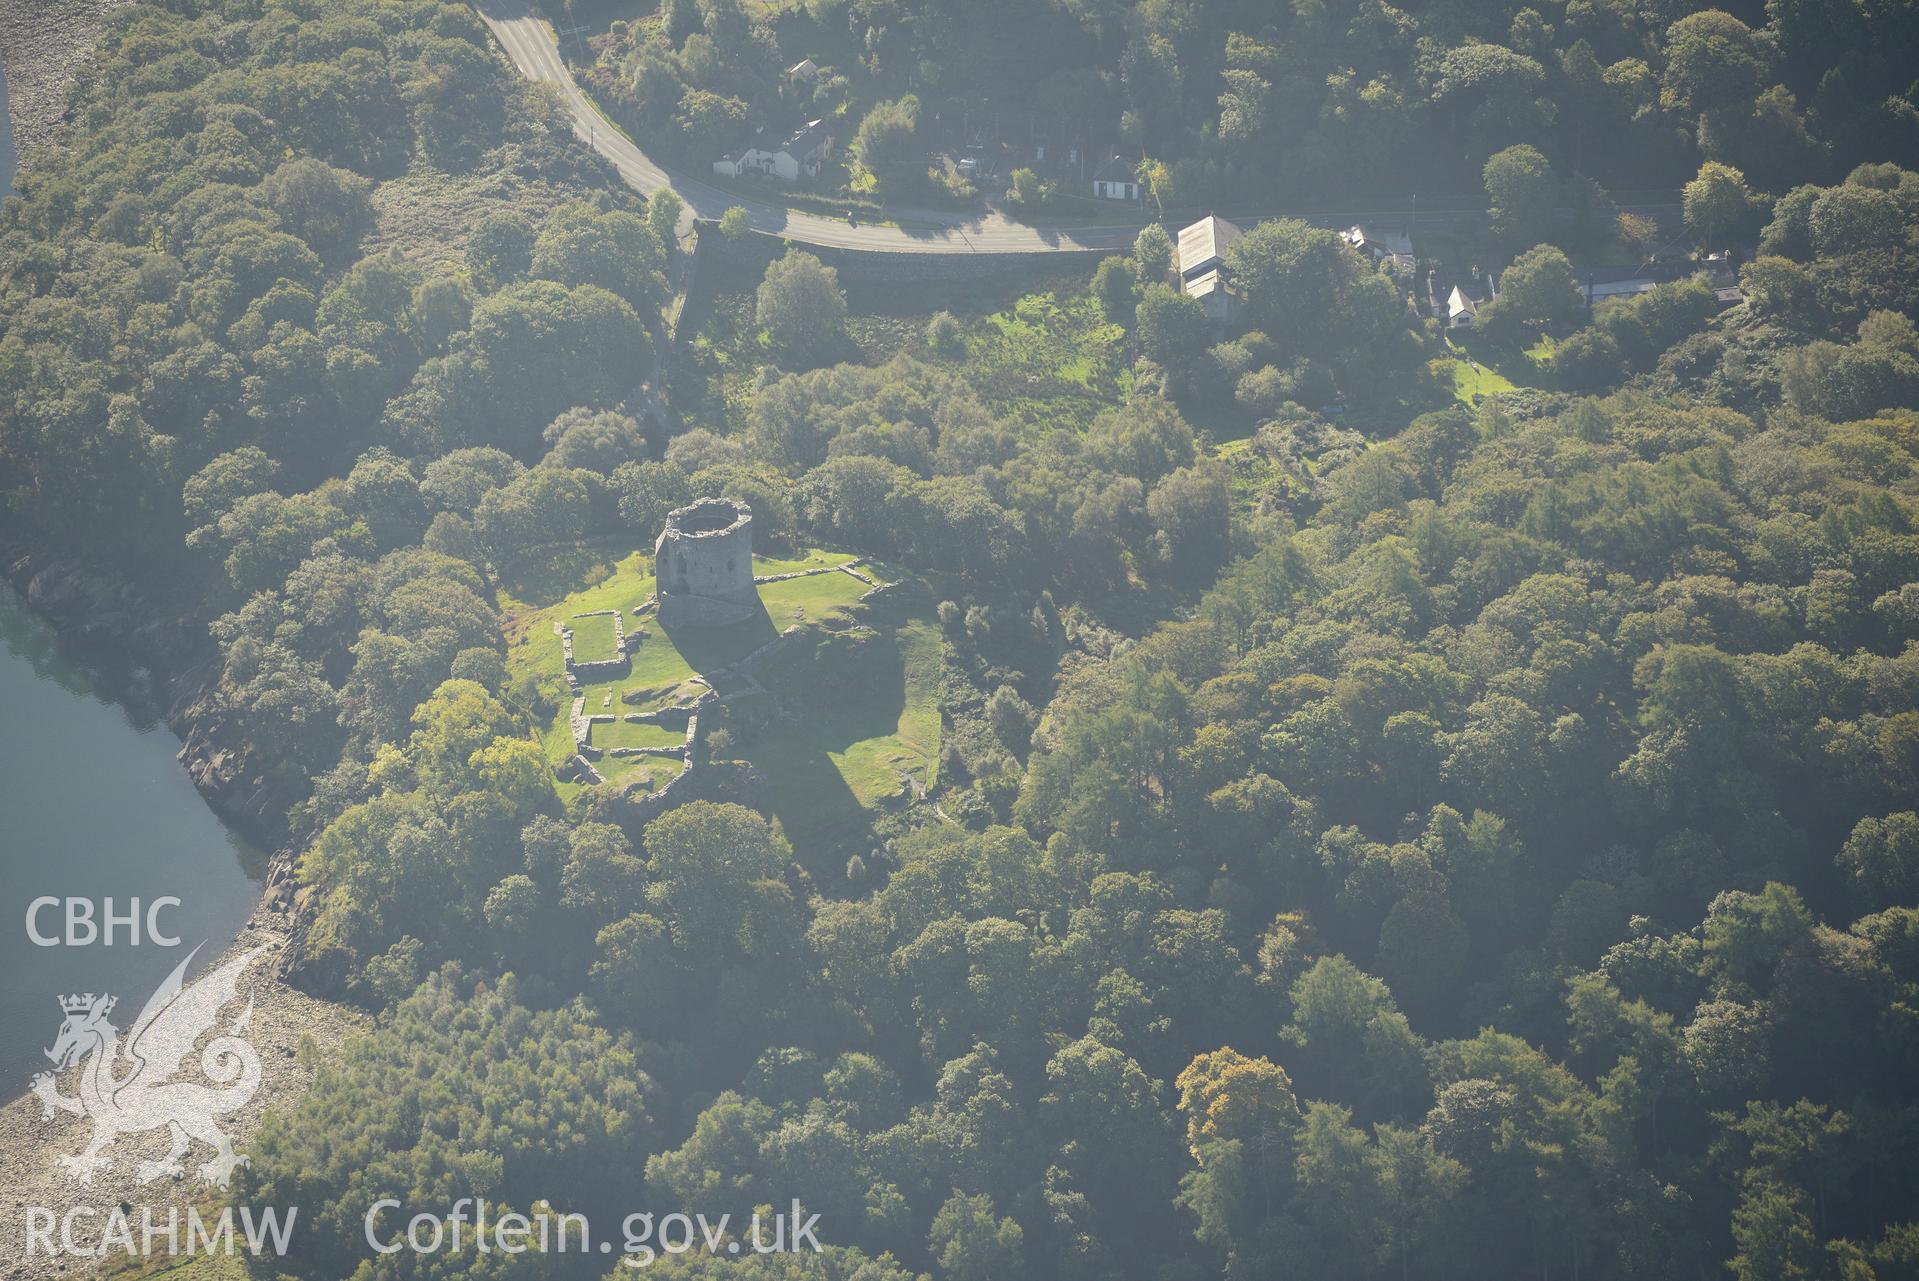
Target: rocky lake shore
155,661
31,1142
43,43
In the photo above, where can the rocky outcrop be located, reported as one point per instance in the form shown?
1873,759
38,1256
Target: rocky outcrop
674,717
216,756
32,1142
727,781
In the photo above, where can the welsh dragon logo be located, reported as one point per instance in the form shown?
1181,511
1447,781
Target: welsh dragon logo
129,1089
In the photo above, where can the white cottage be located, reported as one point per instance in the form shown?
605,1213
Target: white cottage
1117,179
801,155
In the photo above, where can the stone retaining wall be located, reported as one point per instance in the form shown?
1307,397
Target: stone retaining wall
674,717
599,669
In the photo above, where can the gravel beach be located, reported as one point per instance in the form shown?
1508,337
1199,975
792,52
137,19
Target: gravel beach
31,1143
42,44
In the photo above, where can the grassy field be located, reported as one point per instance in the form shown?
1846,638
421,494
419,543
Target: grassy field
1472,380
624,733
592,638
868,737
1478,369
827,748
764,566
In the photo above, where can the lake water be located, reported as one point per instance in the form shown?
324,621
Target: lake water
93,805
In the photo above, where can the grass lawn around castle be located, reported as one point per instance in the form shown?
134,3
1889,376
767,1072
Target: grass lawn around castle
625,733
826,749
869,738
592,638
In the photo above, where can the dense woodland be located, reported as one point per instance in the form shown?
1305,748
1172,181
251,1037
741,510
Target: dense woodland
1478,845
1231,101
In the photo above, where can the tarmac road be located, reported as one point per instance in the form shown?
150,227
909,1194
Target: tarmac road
528,41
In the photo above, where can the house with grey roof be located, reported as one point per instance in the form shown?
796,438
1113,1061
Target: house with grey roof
801,155
1467,295
1381,244
1117,179
1203,274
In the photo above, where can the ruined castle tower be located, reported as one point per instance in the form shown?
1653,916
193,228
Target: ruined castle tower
703,560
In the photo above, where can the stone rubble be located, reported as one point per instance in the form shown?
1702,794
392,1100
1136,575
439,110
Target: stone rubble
42,47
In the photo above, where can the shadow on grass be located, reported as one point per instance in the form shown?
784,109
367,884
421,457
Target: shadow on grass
828,691
1522,367
805,789
551,574
841,700
707,648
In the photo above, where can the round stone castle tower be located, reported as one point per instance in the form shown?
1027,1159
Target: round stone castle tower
703,561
